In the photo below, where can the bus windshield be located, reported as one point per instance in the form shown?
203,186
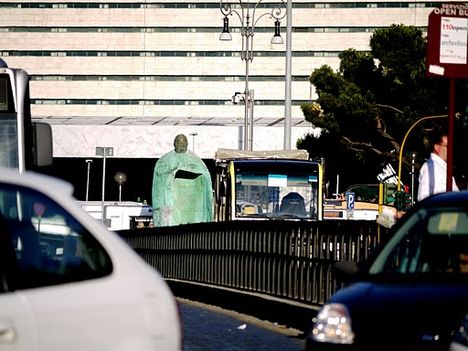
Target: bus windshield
8,125
277,189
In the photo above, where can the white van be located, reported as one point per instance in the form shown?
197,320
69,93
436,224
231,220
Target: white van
68,283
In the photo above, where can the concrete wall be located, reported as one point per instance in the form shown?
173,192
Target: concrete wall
154,141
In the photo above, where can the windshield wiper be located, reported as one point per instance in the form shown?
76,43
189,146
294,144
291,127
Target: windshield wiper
285,216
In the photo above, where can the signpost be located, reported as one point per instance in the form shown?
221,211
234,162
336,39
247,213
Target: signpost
350,204
447,56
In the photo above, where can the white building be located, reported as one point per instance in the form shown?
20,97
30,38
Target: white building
133,74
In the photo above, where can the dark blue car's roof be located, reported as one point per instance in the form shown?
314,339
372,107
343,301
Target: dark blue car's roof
453,198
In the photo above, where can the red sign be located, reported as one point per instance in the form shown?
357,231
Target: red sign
39,209
447,41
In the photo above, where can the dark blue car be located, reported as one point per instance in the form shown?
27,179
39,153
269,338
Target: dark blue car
412,294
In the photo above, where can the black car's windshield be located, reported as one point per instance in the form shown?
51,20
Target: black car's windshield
430,241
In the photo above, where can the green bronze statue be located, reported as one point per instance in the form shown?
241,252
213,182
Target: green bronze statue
182,191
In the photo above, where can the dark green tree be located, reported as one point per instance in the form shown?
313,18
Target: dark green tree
366,107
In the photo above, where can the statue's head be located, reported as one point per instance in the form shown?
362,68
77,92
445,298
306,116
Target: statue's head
180,144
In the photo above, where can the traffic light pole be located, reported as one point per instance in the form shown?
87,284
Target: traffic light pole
400,157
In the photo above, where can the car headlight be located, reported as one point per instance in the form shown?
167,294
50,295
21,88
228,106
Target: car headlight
461,336
333,325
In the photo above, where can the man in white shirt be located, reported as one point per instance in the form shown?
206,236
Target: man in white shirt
433,173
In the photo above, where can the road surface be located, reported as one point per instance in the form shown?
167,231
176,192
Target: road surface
210,328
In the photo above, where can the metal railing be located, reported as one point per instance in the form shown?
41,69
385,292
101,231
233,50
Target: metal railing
290,261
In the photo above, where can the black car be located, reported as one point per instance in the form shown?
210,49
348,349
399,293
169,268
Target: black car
412,294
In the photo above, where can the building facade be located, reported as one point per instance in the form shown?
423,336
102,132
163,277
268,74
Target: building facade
134,74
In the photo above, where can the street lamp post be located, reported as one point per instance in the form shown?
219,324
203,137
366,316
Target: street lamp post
88,161
248,21
288,69
120,178
193,135
104,151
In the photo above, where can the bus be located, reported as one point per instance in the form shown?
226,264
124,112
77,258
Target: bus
282,184
23,144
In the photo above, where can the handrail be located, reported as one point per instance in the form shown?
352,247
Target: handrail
287,260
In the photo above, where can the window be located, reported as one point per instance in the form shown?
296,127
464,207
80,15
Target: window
431,241
42,244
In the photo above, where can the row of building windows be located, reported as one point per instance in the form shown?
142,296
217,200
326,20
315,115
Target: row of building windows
187,5
153,102
181,29
92,53
168,78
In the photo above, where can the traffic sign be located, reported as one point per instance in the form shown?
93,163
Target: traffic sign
39,209
350,201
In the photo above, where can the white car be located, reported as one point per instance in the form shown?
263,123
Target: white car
68,283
